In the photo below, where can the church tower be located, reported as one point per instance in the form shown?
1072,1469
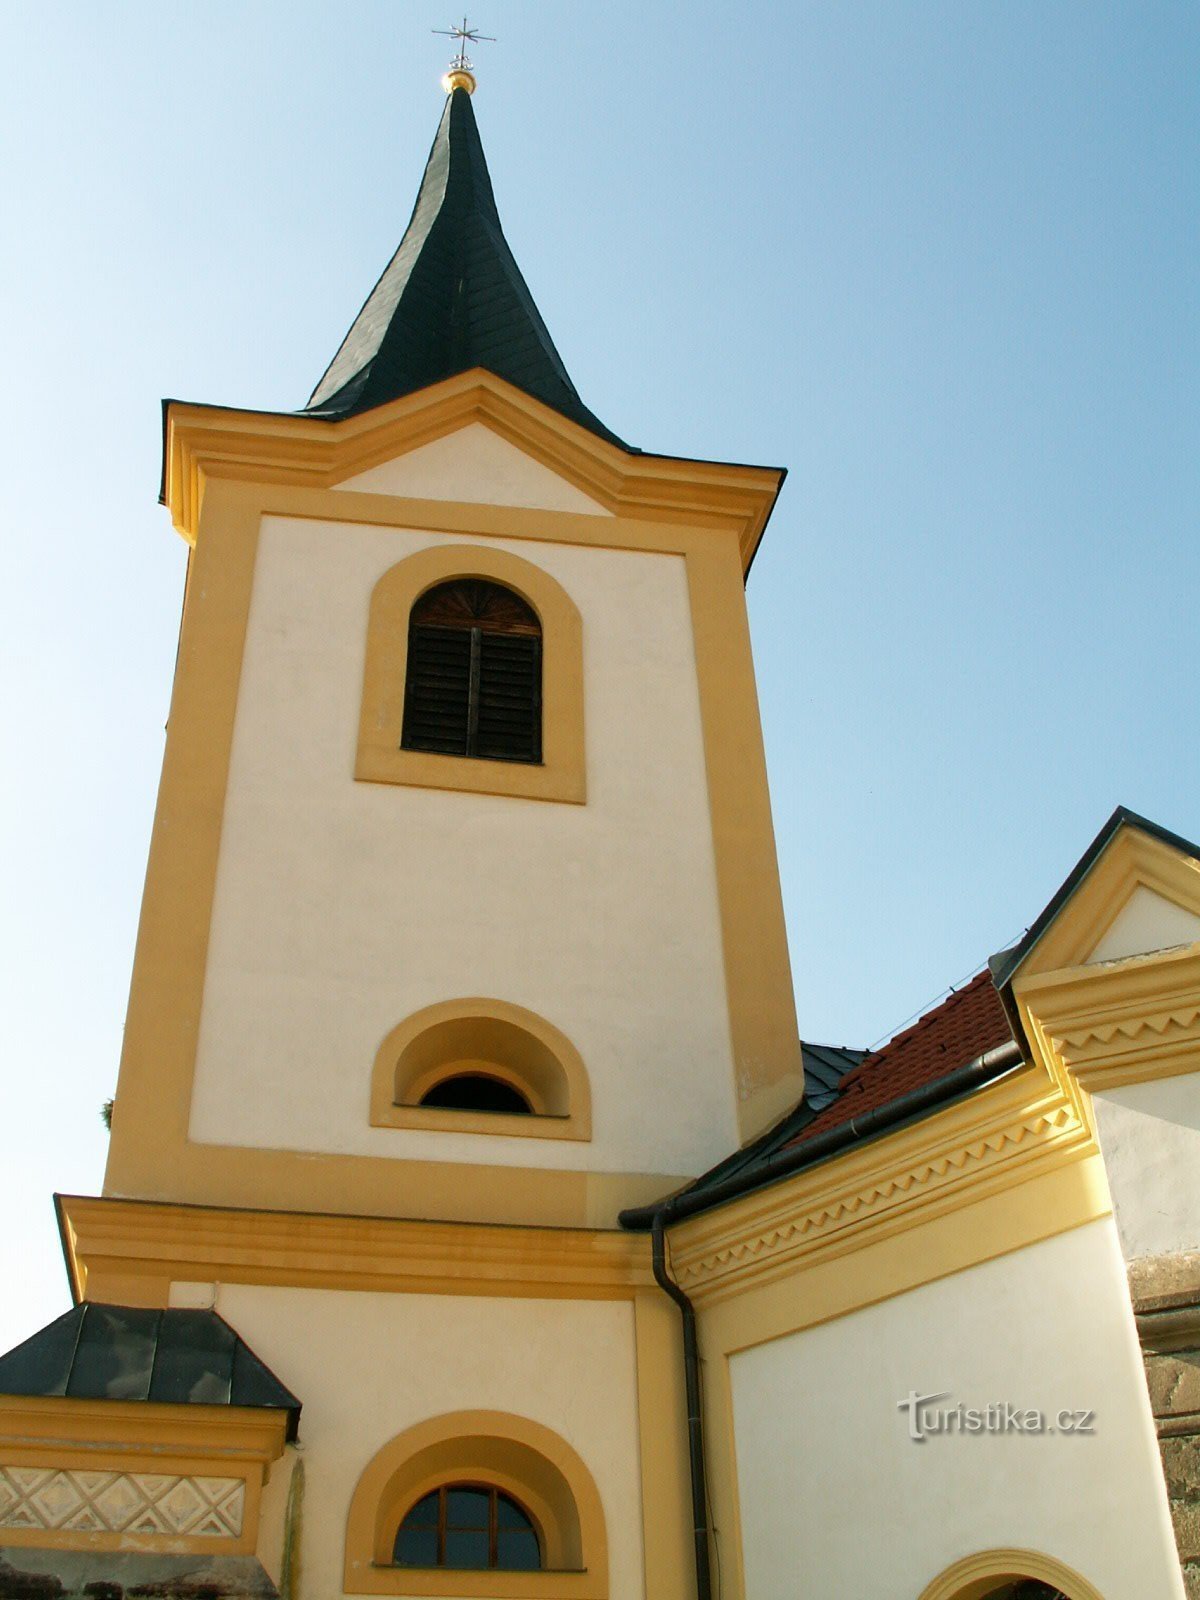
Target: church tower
461,932
462,900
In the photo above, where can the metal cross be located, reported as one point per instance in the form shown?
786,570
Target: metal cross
464,34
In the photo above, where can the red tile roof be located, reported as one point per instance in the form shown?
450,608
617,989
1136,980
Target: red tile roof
968,1022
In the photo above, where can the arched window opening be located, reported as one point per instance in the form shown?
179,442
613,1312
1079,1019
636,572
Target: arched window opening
1026,1589
473,686
469,1526
476,1091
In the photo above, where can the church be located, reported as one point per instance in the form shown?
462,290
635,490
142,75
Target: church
477,1223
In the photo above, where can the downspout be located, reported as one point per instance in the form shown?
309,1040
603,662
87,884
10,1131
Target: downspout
983,1068
695,1422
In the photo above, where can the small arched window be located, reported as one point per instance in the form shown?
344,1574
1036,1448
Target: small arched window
477,1091
474,681
470,1526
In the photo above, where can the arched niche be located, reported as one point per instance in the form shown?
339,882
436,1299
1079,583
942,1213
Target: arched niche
993,1572
523,1459
488,1039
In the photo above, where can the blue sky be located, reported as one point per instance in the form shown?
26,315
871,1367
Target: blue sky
938,259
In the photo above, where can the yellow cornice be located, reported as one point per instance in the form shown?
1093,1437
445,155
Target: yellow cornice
150,1245
205,442
142,1430
993,1140
1116,1022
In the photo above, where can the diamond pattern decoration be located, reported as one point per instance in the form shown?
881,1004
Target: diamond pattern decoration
80,1501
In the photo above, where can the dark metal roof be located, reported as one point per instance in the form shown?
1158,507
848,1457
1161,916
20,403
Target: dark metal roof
451,298
176,1356
825,1065
1004,963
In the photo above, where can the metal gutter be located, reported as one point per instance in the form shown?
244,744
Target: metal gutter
690,1202
695,1422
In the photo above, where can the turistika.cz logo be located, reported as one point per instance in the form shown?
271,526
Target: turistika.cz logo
927,1416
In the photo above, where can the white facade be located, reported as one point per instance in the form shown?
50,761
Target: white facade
836,1499
343,907
568,1365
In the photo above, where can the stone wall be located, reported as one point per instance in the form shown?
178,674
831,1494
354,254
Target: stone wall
1166,1300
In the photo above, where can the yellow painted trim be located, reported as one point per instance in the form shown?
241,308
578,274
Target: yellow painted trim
138,1427
562,772
990,1142
153,1245
150,1155
208,443
976,1576
496,1038
1131,860
1119,1022
526,1460
141,1437
662,1434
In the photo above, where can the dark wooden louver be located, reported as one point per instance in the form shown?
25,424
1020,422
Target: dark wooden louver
474,682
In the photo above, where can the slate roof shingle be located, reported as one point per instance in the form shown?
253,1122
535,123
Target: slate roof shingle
451,298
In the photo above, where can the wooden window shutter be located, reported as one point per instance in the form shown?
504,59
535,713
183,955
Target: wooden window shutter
474,682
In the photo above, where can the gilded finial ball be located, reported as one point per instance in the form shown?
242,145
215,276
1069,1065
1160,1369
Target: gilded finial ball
459,78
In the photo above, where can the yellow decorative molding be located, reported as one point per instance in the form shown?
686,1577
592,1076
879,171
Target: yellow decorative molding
493,1037
1133,859
562,772
122,1474
977,1576
989,1141
520,1457
203,443
154,1245
1117,1022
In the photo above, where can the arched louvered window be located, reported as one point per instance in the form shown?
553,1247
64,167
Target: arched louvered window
474,681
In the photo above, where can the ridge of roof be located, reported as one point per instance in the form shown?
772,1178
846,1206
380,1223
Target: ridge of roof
1004,963
452,297
174,1355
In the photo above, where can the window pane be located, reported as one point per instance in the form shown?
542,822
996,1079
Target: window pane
467,1508
425,1513
517,1550
466,1548
416,1547
509,1514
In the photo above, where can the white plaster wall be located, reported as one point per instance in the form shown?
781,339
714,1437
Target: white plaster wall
342,907
367,1366
836,1500
1147,921
1150,1139
475,464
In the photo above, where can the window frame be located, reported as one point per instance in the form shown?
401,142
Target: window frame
381,756
443,1527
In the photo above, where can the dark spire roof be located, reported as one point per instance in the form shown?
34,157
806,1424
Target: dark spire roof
105,1352
451,298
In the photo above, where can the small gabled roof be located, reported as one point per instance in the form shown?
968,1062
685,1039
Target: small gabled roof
451,298
172,1357
1004,963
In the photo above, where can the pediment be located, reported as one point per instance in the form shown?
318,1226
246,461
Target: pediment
1140,895
474,464
527,447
